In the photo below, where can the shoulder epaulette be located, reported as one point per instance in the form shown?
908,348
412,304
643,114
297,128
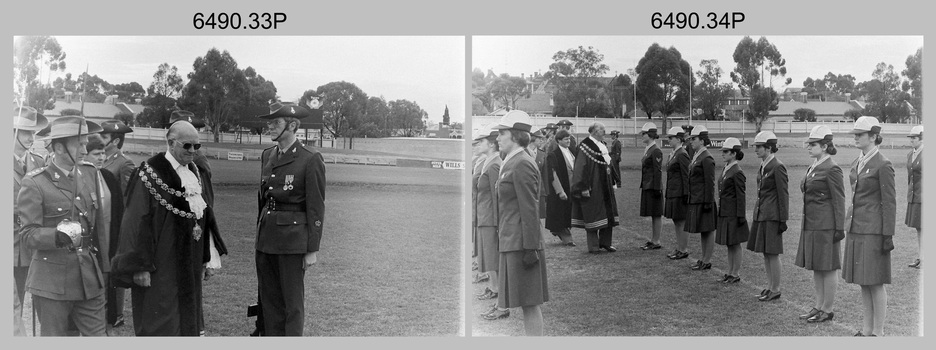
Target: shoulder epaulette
308,148
36,171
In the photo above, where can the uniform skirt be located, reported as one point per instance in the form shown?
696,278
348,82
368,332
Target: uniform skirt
675,209
520,286
817,252
765,237
913,215
651,203
488,255
866,263
698,220
729,232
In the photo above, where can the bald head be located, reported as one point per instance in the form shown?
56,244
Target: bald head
597,130
180,135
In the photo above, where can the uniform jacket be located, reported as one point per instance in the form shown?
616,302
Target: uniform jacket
702,179
486,208
293,178
21,255
591,173
773,197
677,174
154,238
518,225
45,200
874,200
731,193
615,150
824,197
651,169
119,165
915,178
475,174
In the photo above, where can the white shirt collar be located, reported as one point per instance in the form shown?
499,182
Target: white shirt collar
601,145
175,163
767,159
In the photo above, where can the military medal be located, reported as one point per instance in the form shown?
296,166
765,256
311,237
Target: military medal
289,180
197,232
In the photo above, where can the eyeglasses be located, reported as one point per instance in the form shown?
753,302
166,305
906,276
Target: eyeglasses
188,146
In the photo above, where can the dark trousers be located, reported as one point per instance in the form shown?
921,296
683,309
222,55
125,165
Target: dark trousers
616,172
564,235
115,300
598,238
55,316
19,276
282,293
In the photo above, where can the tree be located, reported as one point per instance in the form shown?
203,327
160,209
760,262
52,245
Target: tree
621,92
884,95
853,114
125,117
445,116
804,115
914,83
32,55
93,87
710,94
663,81
573,72
377,114
166,82
407,117
343,105
157,111
483,102
217,90
763,100
506,90
261,93
128,91
753,60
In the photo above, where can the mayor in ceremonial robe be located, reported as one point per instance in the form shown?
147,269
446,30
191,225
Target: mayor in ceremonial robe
168,237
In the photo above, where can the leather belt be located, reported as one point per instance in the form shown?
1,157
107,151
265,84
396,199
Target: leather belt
273,205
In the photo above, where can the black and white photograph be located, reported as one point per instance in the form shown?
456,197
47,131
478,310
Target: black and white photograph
238,185
666,186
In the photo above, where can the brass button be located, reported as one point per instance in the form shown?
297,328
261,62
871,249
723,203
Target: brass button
271,187
274,175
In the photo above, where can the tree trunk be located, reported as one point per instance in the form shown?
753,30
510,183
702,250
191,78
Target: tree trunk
758,121
216,130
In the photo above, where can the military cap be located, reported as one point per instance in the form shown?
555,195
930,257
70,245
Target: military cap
68,127
115,127
818,133
286,110
917,131
27,118
867,124
564,122
181,114
765,137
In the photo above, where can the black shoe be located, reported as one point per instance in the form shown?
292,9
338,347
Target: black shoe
822,316
697,265
609,248
723,278
916,264
809,314
770,296
680,255
571,244
119,321
733,279
706,266
859,334
646,245
762,293
652,246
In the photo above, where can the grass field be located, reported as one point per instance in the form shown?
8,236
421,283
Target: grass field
642,293
389,263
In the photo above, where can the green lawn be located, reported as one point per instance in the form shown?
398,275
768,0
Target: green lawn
642,293
389,263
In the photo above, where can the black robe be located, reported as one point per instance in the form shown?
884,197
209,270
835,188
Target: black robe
558,211
154,239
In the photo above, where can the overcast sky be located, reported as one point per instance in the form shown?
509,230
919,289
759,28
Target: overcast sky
806,56
429,70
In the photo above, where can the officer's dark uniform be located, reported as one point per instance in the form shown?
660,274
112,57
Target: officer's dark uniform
291,214
66,282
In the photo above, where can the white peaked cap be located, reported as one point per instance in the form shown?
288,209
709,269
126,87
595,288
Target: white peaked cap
731,143
515,119
764,136
819,132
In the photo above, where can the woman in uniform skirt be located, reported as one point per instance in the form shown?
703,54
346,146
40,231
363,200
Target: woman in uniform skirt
701,209
823,222
732,225
522,265
915,187
559,165
870,224
486,212
651,184
677,190
771,211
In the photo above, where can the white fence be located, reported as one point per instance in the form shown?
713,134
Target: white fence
631,126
